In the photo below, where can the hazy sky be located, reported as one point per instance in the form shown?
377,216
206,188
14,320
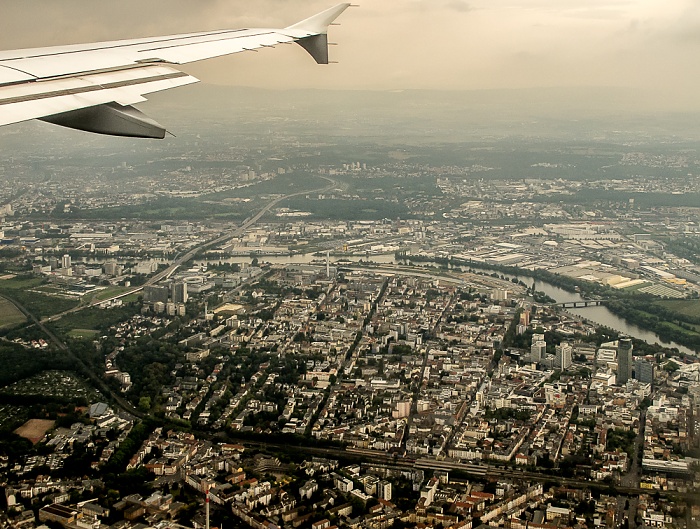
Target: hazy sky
403,44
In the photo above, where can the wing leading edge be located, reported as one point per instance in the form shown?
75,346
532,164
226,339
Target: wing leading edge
58,84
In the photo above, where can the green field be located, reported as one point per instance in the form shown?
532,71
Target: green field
687,307
23,290
91,321
9,314
20,283
108,293
131,297
83,333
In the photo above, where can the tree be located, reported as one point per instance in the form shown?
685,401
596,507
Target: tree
671,367
145,403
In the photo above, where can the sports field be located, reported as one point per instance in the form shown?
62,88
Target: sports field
34,429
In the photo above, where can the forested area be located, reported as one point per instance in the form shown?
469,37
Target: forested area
669,325
18,362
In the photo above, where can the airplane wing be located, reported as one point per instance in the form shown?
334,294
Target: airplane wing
91,87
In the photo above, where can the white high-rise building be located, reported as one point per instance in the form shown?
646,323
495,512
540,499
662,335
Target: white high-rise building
384,490
66,261
499,294
537,351
563,356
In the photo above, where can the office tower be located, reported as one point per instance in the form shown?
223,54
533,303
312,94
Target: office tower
624,360
111,268
179,292
537,351
65,261
563,356
153,294
644,371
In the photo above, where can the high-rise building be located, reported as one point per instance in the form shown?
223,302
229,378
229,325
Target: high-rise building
563,356
499,294
154,293
403,409
525,317
537,351
644,371
384,490
111,268
179,292
624,360
65,261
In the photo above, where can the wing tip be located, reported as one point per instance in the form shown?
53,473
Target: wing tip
318,24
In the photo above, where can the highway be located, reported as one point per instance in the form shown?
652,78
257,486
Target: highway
473,470
94,377
179,260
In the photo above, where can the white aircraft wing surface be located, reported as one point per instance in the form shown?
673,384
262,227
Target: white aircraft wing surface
91,87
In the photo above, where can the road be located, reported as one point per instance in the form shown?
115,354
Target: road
94,377
632,477
170,270
416,393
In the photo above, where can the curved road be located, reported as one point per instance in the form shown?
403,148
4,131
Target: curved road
191,253
94,377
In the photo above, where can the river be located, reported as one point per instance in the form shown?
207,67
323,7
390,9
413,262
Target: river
602,315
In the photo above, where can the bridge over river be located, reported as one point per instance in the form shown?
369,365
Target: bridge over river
579,304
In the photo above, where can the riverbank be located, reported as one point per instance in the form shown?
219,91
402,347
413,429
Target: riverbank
565,289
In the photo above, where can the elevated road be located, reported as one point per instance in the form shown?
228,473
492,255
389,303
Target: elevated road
94,377
180,259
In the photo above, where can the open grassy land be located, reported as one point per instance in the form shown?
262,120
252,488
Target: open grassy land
108,293
23,289
83,333
20,283
9,314
688,307
89,322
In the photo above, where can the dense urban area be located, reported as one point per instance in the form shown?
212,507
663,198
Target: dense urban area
317,334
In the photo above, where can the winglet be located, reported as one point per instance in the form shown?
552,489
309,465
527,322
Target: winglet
317,26
319,23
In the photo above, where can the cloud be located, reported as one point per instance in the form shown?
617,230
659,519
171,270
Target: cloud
397,44
459,5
